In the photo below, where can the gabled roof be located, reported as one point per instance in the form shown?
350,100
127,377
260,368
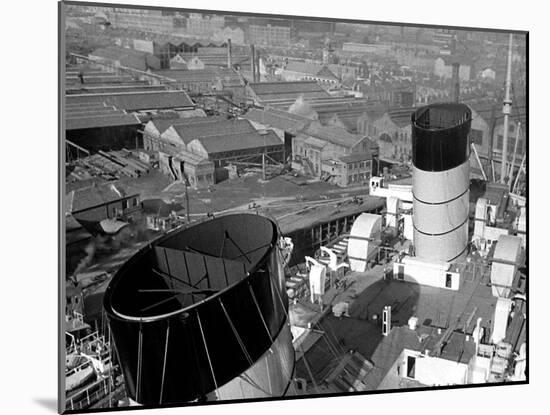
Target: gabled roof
279,119
333,134
312,69
162,124
191,131
401,116
240,141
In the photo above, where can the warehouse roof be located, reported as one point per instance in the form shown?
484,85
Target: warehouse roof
190,131
266,91
227,75
162,124
240,141
152,100
333,134
276,118
103,120
136,101
313,69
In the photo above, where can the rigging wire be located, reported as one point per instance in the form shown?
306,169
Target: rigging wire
208,356
164,361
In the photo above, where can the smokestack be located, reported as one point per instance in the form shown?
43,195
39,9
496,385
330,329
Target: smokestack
441,180
456,82
253,62
506,110
229,53
257,74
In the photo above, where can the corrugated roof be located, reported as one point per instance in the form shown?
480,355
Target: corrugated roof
303,67
235,142
97,121
162,124
151,100
202,75
284,90
189,132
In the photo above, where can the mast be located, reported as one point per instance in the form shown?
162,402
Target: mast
506,110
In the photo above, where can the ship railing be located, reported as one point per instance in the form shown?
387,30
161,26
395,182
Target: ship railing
90,395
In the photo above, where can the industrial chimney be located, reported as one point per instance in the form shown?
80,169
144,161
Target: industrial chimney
229,53
253,63
441,170
456,81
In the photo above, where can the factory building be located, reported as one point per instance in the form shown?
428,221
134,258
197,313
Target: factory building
205,80
331,153
116,56
182,165
443,67
94,127
268,35
304,71
392,130
216,139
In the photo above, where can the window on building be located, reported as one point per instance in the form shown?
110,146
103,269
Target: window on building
448,280
400,272
134,201
362,165
411,363
125,204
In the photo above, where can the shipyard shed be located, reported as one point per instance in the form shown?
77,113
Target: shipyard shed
182,165
95,129
264,93
184,133
392,130
283,123
224,149
333,154
203,80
